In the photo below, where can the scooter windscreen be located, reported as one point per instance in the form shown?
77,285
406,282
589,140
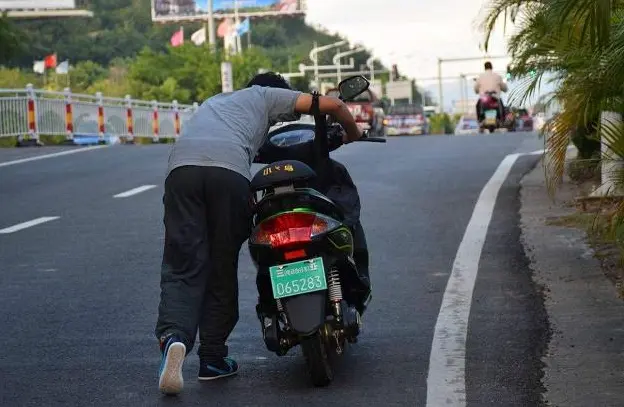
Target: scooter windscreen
287,137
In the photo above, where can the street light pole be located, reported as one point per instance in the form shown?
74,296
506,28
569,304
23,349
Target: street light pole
370,62
440,92
237,19
211,27
336,59
314,56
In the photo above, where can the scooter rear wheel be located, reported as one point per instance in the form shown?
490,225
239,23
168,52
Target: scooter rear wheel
317,360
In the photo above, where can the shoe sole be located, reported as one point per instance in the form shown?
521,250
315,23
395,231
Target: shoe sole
171,380
205,379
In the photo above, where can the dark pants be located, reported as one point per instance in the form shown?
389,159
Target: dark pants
207,219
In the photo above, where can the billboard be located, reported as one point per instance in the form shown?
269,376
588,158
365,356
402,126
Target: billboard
178,10
36,4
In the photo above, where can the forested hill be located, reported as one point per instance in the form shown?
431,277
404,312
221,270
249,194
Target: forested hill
122,28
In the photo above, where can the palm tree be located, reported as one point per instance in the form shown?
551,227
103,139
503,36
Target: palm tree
581,44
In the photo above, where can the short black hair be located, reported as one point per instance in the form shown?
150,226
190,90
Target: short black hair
488,65
270,80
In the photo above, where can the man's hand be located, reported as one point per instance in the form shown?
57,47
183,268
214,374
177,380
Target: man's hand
346,138
334,107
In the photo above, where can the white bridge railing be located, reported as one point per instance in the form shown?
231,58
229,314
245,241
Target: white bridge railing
28,113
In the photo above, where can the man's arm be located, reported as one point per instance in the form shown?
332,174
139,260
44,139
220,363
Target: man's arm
334,107
477,85
503,85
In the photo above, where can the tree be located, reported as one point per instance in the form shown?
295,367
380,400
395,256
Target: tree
10,35
580,43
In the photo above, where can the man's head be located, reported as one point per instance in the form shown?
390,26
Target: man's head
270,80
488,66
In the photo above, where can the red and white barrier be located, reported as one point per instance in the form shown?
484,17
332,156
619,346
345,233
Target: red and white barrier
69,117
80,118
32,114
129,119
155,123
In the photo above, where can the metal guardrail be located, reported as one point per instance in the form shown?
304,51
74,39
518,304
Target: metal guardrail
28,113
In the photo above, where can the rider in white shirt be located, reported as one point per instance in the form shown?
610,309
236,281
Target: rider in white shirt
489,81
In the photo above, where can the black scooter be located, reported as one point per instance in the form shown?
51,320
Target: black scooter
310,291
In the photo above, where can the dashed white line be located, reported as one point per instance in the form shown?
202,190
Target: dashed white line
44,156
446,382
30,223
134,191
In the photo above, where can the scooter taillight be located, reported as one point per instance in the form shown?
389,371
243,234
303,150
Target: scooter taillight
291,228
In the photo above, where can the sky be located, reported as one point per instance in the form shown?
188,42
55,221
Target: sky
415,33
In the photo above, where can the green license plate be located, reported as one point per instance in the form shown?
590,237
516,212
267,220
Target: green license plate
298,278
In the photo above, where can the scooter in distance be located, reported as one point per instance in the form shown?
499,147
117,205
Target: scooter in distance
310,291
490,105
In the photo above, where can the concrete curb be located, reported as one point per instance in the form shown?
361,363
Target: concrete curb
584,365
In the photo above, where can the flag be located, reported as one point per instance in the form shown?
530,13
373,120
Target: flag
177,38
63,68
50,61
39,66
243,27
199,36
225,28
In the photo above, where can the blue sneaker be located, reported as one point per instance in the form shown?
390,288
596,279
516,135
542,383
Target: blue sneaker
217,370
170,380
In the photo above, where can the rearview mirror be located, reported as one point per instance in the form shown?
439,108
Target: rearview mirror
353,86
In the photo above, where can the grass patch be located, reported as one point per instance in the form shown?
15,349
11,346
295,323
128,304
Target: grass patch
583,170
7,142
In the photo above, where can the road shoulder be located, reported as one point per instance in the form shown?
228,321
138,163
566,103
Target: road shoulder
584,363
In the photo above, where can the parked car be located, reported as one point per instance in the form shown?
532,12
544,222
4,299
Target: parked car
406,120
367,109
467,124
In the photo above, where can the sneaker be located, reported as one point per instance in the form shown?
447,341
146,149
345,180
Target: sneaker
223,368
170,380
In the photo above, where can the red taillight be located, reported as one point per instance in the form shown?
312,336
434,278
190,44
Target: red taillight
295,254
291,228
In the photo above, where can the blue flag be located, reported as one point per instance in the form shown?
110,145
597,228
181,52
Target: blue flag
243,27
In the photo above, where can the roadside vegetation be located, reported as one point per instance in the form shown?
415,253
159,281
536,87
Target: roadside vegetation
579,44
121,51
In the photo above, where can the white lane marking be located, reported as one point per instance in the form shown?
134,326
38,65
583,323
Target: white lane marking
446,382
540,152
41,157
28,224
134,191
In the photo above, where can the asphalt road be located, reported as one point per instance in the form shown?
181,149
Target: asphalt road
79,293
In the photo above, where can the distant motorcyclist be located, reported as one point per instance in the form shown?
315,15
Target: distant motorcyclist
489,81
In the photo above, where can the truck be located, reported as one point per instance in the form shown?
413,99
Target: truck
367,109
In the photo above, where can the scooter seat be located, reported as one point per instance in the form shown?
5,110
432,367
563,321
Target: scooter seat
282,173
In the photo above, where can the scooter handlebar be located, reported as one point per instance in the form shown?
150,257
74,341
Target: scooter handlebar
365,137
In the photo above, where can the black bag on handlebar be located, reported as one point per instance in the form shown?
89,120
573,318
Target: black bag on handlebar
321,144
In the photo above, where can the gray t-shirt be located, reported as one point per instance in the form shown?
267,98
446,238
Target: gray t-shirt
228,129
